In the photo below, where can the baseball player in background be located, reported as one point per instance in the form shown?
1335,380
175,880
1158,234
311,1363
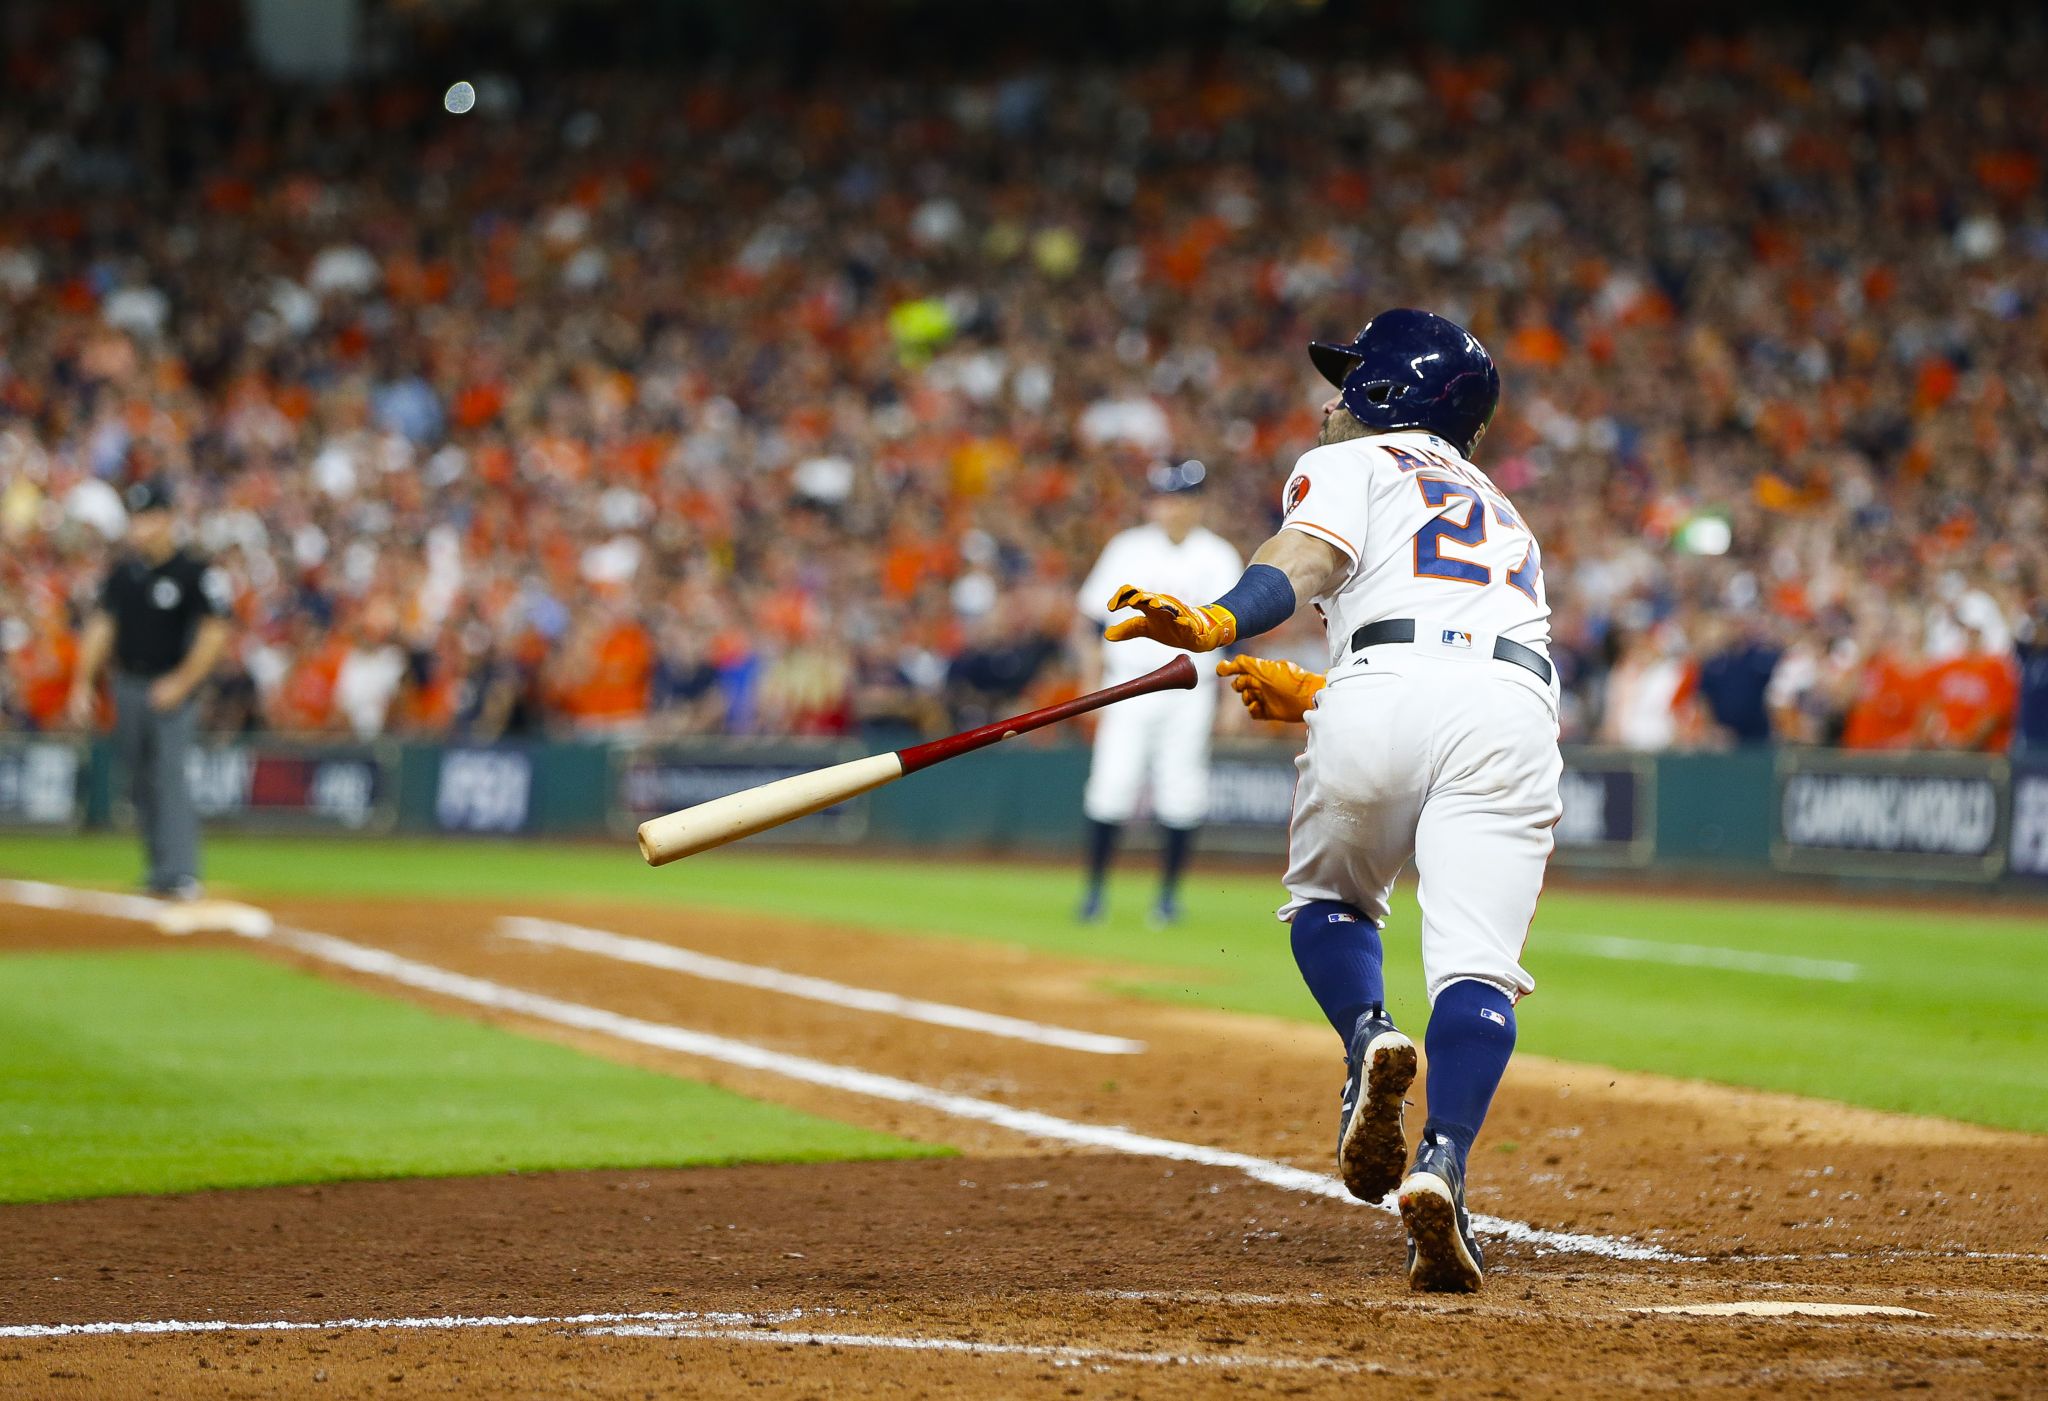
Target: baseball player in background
1433,736
1158,742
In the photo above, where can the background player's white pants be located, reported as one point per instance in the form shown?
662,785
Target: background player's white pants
1160,741
1453,762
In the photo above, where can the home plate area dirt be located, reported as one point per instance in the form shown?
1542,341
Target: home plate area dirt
1028,1267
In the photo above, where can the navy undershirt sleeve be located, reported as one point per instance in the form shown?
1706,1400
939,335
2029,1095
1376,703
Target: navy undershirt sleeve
1261,600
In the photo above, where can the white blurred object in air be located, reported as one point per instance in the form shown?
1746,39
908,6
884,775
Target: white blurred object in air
974,595
827,480
97,504
1706,535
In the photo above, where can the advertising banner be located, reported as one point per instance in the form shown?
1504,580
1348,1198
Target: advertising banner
1610,808
1254,790
1913,816
2028,849
484,790
650,780
269,783
39,782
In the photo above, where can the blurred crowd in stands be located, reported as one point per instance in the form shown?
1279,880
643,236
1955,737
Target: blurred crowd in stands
636,404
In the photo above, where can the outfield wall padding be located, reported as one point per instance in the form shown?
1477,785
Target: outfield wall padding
1923,818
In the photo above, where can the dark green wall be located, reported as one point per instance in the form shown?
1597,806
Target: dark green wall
1715,809
1694,812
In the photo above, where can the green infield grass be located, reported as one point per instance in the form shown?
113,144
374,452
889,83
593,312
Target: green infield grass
1838,1001
181,1068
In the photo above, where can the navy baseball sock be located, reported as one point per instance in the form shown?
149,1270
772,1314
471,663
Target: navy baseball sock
1471,1035
1338,951
1175,856
1101,847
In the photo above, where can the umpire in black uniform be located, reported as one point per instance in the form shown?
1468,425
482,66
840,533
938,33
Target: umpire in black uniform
162,616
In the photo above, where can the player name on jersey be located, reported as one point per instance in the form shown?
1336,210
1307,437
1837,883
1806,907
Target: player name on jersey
1429,537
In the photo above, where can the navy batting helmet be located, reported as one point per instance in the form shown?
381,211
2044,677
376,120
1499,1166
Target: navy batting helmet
1412,369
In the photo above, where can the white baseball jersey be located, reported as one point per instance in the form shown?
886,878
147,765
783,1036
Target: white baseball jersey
1429,537
1432,750
1201,567
1156,744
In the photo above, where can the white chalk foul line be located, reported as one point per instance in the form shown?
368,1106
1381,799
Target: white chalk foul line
649,953
764,1328
1825,970
1058,1356
481,992
717,1326
147,1326
43,896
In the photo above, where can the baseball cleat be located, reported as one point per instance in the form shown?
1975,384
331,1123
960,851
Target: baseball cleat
1166,912
1371,1147
1091,908
1443,1254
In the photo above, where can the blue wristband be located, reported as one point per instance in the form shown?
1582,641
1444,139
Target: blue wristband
1260,601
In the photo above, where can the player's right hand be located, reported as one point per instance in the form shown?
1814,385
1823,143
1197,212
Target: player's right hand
1164,618
1272,690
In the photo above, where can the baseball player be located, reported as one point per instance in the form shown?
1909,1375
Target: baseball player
1160,741
1433,736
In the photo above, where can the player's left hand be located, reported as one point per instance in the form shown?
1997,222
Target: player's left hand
1164,618
1272,690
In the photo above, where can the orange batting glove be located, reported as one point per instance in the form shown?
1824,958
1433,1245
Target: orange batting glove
1164,618
1272,690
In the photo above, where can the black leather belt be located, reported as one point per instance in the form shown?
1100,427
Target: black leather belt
1403,630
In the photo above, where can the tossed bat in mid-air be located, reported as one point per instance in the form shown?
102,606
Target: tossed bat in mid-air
694,829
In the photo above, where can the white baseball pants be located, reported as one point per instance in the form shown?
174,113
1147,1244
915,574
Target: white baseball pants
1158,742
1452,761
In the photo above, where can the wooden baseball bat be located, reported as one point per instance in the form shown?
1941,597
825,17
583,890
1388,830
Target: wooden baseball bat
694,829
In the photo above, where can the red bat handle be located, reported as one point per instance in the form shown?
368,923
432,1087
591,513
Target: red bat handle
1176,675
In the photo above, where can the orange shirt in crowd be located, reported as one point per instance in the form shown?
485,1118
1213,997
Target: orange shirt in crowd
43,675
615,688
305,701
1971,701
1886,714
429,707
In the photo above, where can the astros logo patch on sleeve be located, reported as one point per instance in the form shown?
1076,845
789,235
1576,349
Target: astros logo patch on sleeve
1296,490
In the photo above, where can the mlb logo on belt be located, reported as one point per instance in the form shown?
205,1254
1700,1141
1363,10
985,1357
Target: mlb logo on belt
1454,638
